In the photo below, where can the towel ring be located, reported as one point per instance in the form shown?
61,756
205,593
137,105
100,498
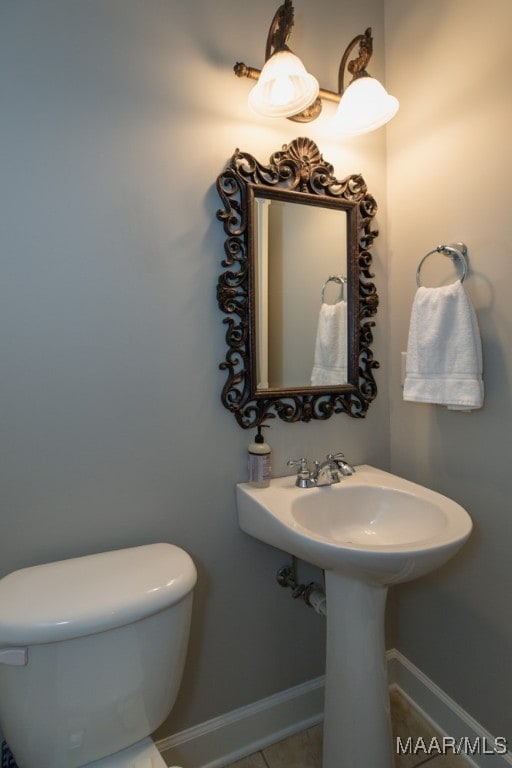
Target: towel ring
335,279
455,253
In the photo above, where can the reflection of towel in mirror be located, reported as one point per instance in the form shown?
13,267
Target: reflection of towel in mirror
330,362
444,352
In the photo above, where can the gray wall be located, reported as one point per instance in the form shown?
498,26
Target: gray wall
117,116
116,119
449,171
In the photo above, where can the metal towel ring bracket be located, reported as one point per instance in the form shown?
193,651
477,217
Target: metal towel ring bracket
456,252
335,279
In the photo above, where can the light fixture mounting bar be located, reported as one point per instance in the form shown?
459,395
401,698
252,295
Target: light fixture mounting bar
242,70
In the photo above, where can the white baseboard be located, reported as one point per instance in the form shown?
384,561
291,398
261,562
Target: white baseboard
442,712
230,737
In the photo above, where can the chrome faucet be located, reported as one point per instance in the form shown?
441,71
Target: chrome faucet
328,472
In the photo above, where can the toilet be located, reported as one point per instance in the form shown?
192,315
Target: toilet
92,651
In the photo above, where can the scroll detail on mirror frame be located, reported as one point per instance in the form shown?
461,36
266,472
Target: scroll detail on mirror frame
298,168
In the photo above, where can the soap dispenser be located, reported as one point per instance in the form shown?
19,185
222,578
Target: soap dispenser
260,470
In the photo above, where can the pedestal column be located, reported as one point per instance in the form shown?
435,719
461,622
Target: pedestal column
357,723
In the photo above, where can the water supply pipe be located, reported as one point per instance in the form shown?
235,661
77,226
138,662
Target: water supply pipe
313,594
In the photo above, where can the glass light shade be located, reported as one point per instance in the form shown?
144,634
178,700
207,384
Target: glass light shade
284,87
364,106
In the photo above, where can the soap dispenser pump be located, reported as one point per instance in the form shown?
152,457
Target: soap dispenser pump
260,470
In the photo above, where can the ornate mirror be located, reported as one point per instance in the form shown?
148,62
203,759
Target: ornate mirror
296,288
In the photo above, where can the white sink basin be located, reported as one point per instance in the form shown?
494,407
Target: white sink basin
370,530
372,525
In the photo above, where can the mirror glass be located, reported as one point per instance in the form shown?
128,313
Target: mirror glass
296,288
301,265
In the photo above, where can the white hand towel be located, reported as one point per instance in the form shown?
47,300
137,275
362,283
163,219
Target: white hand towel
444,351
330,361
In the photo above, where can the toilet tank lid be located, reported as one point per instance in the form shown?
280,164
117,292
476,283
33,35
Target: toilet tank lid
86,595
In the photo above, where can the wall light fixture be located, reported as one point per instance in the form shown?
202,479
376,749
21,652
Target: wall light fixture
285,89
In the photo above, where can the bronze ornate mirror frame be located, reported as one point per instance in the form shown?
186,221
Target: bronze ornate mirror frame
297,172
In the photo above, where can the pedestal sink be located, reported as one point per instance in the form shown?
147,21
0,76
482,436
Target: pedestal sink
370,530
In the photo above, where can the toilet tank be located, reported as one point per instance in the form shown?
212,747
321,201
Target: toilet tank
93,650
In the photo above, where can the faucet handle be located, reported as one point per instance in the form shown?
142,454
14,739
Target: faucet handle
303,475
296,462
343,465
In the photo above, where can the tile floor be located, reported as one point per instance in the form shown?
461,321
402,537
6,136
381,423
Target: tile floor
304,750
